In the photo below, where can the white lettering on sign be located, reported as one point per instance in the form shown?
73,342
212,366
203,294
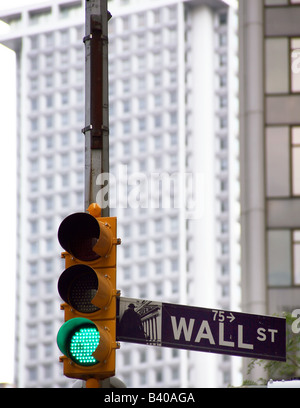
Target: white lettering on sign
205,332
205,335
192,334
223,342
186,327
220,315
262,336
182,326
241,344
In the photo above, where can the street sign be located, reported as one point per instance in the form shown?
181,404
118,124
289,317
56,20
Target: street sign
199,329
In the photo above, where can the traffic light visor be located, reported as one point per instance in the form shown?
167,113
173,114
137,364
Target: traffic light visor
77,234
83,289
85,237
78,286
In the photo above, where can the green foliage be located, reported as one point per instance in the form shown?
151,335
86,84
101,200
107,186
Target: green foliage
277,370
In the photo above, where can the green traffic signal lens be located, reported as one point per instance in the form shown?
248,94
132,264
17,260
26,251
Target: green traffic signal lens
82,344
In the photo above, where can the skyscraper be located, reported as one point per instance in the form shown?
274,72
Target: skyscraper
173,143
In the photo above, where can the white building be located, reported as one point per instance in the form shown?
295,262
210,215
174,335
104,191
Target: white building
173,111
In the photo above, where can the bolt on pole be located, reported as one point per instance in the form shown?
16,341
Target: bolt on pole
96,128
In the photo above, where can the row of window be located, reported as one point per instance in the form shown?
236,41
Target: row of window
51,203
141,104
46,287
48,184
46,374
35,269
62,161
159,291
56,80
157,225
146,61
57,120
157,143
146,378
149,247
150,19
55,60
138,84
150,122
145,270
56,141
60,100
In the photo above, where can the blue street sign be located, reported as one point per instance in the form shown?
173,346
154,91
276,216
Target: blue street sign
199,329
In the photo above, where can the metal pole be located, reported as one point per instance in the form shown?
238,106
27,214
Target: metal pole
96,128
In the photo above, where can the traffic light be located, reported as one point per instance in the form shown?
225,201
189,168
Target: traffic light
88,287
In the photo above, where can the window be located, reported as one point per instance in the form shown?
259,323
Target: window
33,289
296,256
143,249
32,374
283,180
175,373
48,371
34,62
279,258
49,81
126,358
295,64
277,78
49,101
49,265
49,121
143,356
34,226
158,376
65,160
158,268
222,39
143,378
174,265
223,18
296,160
34,124
49,40
48,307
34,83
33,268
49,61
48,350
34,43
142,270
32,352
126,106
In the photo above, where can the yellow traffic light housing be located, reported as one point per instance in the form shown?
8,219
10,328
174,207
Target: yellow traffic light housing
88,287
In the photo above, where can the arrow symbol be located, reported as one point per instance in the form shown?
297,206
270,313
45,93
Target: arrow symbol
231,317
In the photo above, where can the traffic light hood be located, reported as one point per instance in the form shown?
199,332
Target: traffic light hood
83,289
85,237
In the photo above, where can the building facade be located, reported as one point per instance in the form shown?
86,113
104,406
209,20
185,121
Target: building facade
173,88
270,104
